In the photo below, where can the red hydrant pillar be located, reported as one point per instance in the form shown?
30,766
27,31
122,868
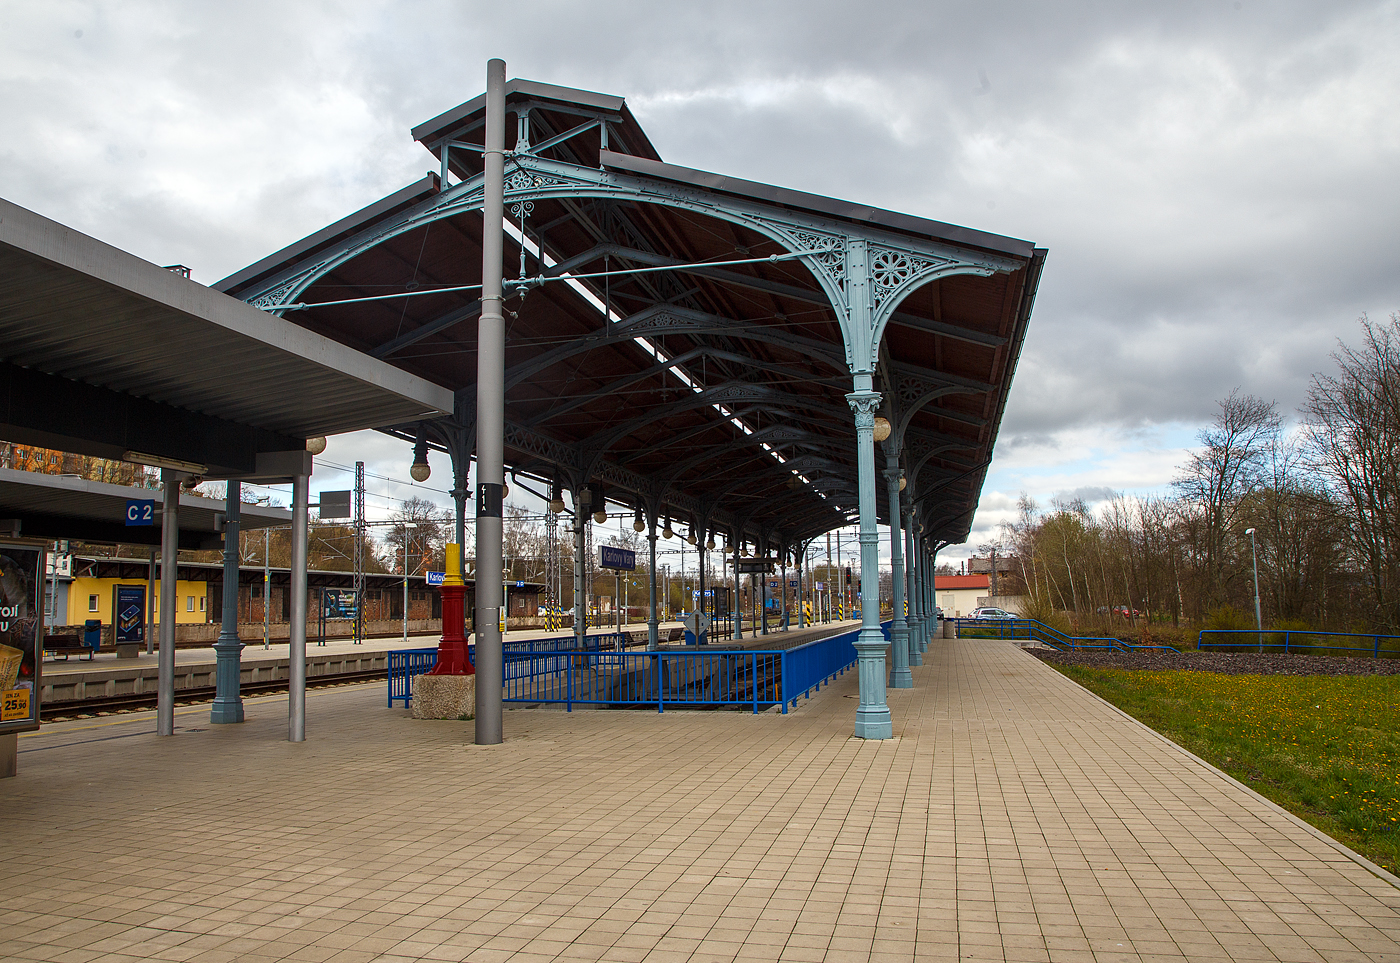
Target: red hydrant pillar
452,650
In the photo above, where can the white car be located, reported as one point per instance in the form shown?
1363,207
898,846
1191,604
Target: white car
991,612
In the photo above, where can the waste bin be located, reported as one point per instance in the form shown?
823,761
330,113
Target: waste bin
92,633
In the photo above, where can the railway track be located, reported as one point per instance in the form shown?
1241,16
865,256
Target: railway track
82,708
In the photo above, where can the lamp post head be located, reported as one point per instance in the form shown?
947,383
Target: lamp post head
1249,532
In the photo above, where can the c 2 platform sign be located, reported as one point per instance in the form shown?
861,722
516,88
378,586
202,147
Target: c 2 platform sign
21,581
140,511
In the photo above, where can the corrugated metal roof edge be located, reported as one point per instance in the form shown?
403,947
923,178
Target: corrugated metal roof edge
520,88
344,227
39,237
819,204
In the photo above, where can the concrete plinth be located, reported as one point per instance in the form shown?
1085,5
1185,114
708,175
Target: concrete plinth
444,696
9,755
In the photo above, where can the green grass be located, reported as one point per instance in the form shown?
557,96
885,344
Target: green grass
1326,748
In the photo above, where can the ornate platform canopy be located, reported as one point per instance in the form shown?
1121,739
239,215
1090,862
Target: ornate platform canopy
685,338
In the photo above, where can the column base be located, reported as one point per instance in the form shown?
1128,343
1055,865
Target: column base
227,707
874,723
899,671
9,755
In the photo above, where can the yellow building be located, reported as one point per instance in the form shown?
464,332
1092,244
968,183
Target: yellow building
91,598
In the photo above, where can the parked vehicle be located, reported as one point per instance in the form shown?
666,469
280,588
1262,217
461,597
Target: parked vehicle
938,612
991,612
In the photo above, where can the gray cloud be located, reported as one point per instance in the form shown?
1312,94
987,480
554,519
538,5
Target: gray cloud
1215,185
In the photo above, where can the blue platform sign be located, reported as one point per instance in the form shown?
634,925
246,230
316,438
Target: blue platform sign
434,578
140,511
619,558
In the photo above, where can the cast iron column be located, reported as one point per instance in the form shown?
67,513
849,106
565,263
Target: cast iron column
900,678
916,611
490,421
169,574
582,499
228,703
873,719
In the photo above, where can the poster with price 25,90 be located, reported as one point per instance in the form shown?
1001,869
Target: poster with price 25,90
20,583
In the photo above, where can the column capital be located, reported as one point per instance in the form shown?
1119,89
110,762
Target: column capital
893,475
864,404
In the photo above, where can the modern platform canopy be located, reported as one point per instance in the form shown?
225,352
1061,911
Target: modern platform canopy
61,506
704,348
110,356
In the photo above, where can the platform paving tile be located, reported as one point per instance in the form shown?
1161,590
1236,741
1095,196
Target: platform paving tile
1012,818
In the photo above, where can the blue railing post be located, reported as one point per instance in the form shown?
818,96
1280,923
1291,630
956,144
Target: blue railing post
660,688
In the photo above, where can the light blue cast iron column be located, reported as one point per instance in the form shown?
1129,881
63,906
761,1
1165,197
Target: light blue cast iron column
873,719
915,620
228,703
899,630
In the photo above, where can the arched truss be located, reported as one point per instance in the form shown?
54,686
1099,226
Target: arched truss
863,273
865,276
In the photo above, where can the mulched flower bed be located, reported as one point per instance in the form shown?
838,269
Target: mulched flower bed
1226,663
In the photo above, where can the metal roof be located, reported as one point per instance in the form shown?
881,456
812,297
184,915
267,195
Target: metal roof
63,506
721,389
74,308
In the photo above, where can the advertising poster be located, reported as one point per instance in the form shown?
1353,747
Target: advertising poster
20,583
129,608
339,603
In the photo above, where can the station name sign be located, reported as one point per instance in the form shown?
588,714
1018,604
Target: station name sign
623,559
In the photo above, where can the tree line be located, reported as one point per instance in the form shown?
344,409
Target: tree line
1318,503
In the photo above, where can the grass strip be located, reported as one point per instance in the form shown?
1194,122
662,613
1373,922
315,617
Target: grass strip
1326,748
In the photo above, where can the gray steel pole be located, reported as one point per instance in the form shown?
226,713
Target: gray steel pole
150,603
405,587
1258,612
228,702
169,573
296,701
490,424
267,587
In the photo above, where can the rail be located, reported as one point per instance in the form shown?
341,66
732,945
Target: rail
1282,640
1037,631
558,671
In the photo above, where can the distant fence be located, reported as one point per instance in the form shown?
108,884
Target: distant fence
1036,631
600,673
1299,640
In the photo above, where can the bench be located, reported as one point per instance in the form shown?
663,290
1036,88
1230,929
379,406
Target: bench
66,645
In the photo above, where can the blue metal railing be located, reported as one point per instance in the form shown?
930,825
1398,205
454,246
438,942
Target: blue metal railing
1283,640
1034,630
557,671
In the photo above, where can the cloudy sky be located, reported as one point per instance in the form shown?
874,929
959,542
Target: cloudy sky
1215,180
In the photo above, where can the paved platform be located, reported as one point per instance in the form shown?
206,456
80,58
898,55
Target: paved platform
1014,817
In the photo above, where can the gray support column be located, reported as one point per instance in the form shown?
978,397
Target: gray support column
900,677
736,602
801,571
581,503
151,603
228,702
296,650
169,574
490,422
873,719
653,624
916,611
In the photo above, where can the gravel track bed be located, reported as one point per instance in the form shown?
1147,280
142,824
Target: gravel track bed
1226,663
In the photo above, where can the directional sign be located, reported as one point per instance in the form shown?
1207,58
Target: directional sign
434,578
519,584
755,566
618,558
140,511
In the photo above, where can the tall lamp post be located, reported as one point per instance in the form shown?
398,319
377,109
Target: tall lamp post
406,526
1258,616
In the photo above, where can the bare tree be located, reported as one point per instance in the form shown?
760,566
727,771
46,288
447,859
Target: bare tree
1354,442
1217,478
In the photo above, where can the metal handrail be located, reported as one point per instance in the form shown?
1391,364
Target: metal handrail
1038,631
1375,650
558,671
